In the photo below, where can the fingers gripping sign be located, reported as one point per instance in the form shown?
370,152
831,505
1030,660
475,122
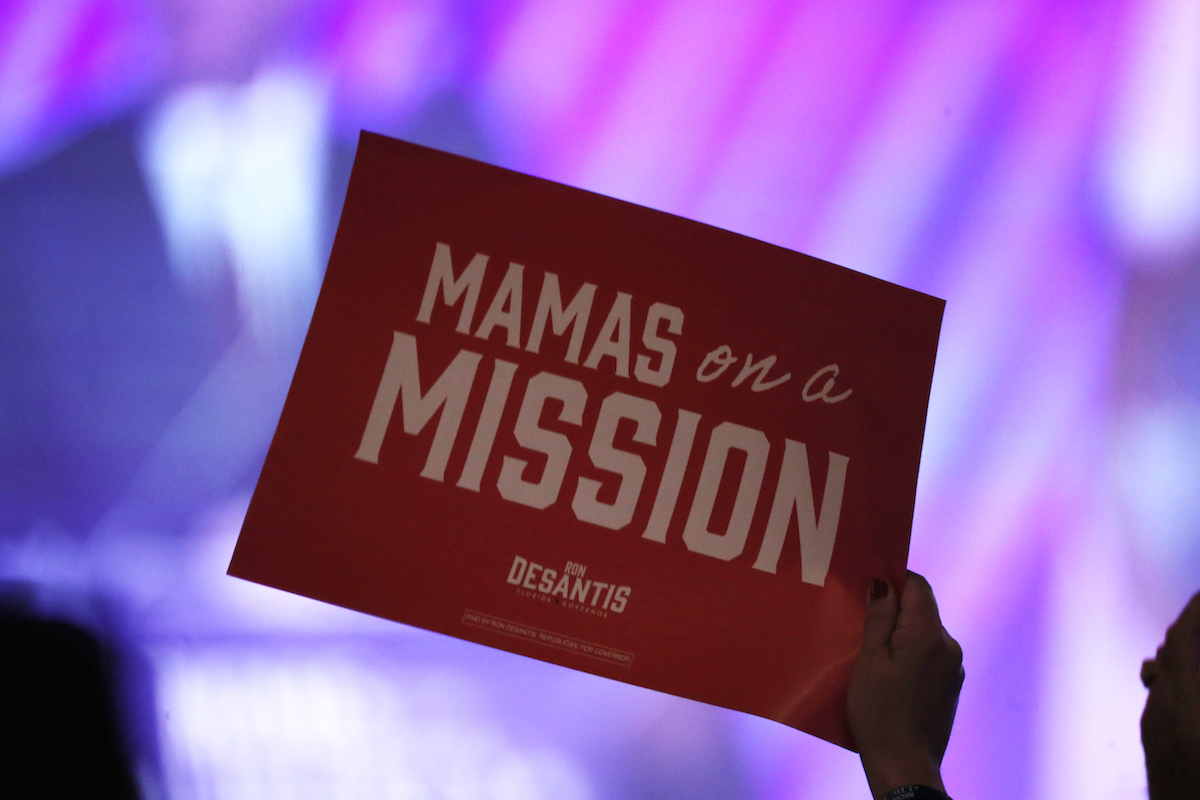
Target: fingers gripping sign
904,689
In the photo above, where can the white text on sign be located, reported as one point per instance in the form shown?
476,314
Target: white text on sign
447,399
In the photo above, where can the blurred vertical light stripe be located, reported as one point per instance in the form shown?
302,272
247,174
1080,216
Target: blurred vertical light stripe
922,109
64,66
653,140
237,172
1149,180
801,117
385,59
1151,168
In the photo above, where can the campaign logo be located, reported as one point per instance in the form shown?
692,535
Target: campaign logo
570,588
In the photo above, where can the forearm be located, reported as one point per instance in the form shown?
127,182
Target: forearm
903,692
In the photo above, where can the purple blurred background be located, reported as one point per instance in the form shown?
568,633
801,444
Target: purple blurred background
170,179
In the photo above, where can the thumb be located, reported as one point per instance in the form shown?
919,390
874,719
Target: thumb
880,622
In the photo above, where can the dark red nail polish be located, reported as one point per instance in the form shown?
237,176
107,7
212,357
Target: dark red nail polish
878,589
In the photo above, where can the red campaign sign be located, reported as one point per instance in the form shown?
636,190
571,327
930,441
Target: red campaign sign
598,435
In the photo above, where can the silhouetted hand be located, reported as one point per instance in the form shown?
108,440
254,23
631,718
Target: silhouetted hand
1171,721
904,689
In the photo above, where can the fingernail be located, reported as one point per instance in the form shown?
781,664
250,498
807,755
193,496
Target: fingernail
878,589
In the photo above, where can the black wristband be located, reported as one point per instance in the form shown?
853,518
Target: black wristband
915,793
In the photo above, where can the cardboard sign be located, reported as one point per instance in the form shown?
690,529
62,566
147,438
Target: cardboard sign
598,435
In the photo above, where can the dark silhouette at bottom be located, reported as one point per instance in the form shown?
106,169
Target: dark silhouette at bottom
60,735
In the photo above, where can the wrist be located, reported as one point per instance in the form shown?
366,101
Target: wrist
915,793
886,774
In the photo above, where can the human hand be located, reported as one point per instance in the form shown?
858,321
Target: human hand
904,689
1171,720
